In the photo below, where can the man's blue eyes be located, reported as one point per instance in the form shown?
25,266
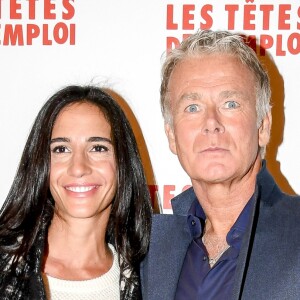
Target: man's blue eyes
231,104
227,105
192,108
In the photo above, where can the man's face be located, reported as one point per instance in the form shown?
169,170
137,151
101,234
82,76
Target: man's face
214,131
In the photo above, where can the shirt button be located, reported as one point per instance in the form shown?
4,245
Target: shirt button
235,236
193,223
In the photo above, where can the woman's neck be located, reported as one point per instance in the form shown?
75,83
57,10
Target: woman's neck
77,249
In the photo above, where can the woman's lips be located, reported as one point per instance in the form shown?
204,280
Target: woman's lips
81,190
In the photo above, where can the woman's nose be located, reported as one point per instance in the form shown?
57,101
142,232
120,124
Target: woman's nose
79,165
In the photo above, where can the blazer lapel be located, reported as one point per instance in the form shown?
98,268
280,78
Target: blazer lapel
245,251
161,269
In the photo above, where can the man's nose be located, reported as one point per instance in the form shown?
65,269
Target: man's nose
212,122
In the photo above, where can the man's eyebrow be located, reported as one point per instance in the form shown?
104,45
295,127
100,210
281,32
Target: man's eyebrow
197,96
190,96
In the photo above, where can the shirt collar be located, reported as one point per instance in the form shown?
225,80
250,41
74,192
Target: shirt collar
236,233
196,220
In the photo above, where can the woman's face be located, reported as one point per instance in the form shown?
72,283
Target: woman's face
83,168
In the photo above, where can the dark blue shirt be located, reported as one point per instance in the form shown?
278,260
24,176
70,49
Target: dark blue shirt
197,280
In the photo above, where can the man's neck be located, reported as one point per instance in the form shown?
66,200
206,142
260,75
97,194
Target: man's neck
223,202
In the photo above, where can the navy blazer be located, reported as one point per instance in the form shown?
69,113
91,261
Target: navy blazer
268,266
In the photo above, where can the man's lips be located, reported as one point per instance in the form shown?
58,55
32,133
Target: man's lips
214,149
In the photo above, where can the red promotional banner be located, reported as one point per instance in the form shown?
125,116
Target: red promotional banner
45,45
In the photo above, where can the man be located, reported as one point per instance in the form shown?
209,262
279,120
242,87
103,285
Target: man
234,234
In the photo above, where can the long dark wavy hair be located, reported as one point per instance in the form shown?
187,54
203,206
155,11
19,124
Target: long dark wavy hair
29,201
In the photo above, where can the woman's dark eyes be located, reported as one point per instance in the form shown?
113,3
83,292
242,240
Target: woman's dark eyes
64,149
99,148
60,149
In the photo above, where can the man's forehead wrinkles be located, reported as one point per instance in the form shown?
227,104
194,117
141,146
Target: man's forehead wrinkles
229,93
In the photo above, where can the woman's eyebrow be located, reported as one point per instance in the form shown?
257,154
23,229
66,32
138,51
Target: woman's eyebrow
99,139
91,139
59,140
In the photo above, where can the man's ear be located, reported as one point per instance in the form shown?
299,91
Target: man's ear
264,130
169,130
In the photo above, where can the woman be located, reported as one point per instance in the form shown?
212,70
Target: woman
76,221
